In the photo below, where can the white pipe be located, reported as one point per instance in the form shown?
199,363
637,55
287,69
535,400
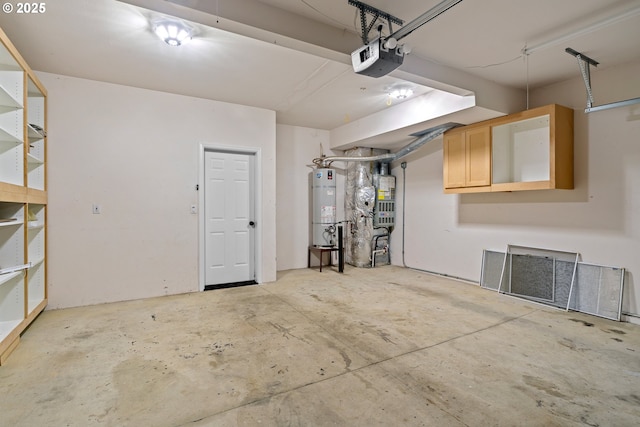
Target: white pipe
373,255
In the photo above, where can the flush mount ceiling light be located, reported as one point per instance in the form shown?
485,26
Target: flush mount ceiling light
173,33
401,93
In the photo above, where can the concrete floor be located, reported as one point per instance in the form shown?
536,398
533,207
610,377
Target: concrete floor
389,346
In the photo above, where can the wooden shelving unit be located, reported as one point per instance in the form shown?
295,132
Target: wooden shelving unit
23,197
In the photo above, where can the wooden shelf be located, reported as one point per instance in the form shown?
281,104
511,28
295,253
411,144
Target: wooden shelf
37,196
9,138
7,100
4,278
35,225
12,193
23,286
33,160
9,222
33,134
36,262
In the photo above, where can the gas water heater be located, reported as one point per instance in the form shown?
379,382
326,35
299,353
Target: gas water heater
324,207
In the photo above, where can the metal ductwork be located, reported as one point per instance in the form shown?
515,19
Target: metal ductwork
422,138
359,204
369,199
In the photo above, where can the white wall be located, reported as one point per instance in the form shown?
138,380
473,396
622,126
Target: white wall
135,153
295,150
600,218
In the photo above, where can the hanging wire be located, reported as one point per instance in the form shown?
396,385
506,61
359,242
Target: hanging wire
306,3
435,61
495,64
526,64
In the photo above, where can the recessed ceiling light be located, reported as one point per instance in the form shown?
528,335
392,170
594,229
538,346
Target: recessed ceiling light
173,33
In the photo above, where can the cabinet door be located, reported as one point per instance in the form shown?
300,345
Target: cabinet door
478,157
454,166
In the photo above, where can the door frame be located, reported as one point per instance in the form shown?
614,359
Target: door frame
257,203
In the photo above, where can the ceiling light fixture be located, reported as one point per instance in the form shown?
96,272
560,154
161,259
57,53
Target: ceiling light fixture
401,93
173,33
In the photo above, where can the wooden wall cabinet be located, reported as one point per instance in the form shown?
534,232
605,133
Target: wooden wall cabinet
467,159
23,197
531,150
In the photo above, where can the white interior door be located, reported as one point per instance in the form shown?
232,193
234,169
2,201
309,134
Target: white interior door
229,218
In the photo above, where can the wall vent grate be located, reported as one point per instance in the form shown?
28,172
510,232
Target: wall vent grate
554,278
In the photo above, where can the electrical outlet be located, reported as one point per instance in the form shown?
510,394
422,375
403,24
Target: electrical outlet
194,209
96,209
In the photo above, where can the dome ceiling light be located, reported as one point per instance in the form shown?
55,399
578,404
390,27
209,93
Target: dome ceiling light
401,93
173,33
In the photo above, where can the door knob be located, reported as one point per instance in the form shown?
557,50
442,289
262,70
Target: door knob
252,224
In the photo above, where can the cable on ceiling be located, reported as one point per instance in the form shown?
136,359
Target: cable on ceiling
496,64
306,3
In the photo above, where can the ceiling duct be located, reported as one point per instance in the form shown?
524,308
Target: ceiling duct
383,55
422,138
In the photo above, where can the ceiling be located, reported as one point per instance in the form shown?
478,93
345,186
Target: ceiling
292,56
